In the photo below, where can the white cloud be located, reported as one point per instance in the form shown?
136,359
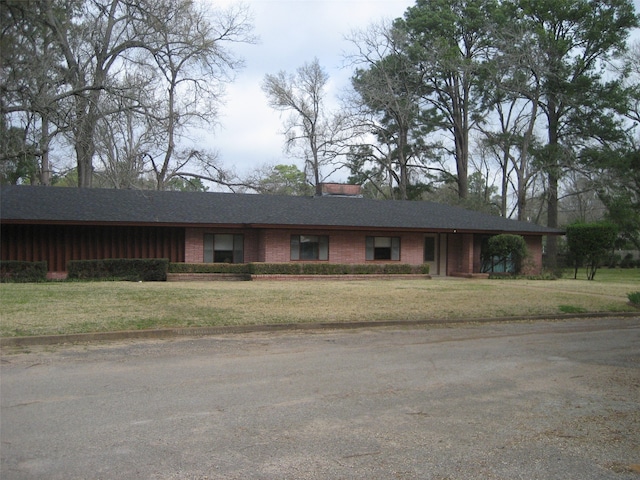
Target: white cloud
291,32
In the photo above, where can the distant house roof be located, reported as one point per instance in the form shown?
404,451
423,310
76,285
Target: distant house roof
35,204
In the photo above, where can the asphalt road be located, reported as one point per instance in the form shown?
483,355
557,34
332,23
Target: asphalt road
538,400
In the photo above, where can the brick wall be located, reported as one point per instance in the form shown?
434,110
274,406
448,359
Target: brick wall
273,246
194,243
533,264
344,247
276,246
463,253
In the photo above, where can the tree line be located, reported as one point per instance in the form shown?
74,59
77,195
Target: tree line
517,107
115,85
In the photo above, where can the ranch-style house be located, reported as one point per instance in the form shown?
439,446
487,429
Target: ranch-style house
59,224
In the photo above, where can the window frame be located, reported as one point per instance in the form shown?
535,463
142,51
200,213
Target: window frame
297,253
375,253
432,251
209,247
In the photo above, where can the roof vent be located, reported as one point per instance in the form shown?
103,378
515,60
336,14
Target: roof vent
341,190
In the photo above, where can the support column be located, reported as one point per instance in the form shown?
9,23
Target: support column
466,253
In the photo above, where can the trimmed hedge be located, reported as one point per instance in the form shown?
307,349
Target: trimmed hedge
23,272
300,268
209,268
324,269
131,269
275,268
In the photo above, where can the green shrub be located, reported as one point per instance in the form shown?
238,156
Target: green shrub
505,248
276,268
366,269
131,269
300,268
325,269
210,268
22,272
397,269
508,276
589,243
634,298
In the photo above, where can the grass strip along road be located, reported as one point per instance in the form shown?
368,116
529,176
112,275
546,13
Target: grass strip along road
82,307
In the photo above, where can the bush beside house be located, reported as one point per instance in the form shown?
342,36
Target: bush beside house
22,272
300,268
148,270
507,250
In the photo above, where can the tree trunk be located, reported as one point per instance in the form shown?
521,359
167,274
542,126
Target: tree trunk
460,136
402,163
553,174
552,221
45,167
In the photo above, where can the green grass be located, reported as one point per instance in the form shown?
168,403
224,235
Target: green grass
77,307
609,275
571,309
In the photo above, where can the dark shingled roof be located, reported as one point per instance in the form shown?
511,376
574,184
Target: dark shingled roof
32,204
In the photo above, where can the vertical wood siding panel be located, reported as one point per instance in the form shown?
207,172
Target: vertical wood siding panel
52,251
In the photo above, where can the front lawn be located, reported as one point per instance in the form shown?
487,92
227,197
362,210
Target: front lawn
76,307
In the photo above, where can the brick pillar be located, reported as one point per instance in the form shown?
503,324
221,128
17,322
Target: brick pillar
533,264
466,261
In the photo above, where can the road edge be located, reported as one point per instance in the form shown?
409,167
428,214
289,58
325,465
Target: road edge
94,337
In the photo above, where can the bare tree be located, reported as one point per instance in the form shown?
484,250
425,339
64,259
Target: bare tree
95,44
310,131
92,38
631,62
387,107
29,81
124,136
510,144
189,52
512,96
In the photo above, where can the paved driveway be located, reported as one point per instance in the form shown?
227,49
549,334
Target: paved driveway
518,400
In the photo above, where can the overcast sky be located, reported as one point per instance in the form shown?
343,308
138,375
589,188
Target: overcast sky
291,33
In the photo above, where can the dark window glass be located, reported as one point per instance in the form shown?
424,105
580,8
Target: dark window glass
223,248
382,248
429,249
309,247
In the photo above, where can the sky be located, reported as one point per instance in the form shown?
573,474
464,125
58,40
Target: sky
290,33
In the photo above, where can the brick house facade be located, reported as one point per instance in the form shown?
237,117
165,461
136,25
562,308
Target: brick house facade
62,224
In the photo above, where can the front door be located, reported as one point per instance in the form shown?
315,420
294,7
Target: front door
431,253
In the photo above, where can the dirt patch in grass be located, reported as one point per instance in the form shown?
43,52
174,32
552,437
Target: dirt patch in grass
55,308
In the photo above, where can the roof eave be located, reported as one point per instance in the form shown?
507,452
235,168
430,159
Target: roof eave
281,226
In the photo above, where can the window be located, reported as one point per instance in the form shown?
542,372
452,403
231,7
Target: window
382,248
494,264
309,247
223,248
429,249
